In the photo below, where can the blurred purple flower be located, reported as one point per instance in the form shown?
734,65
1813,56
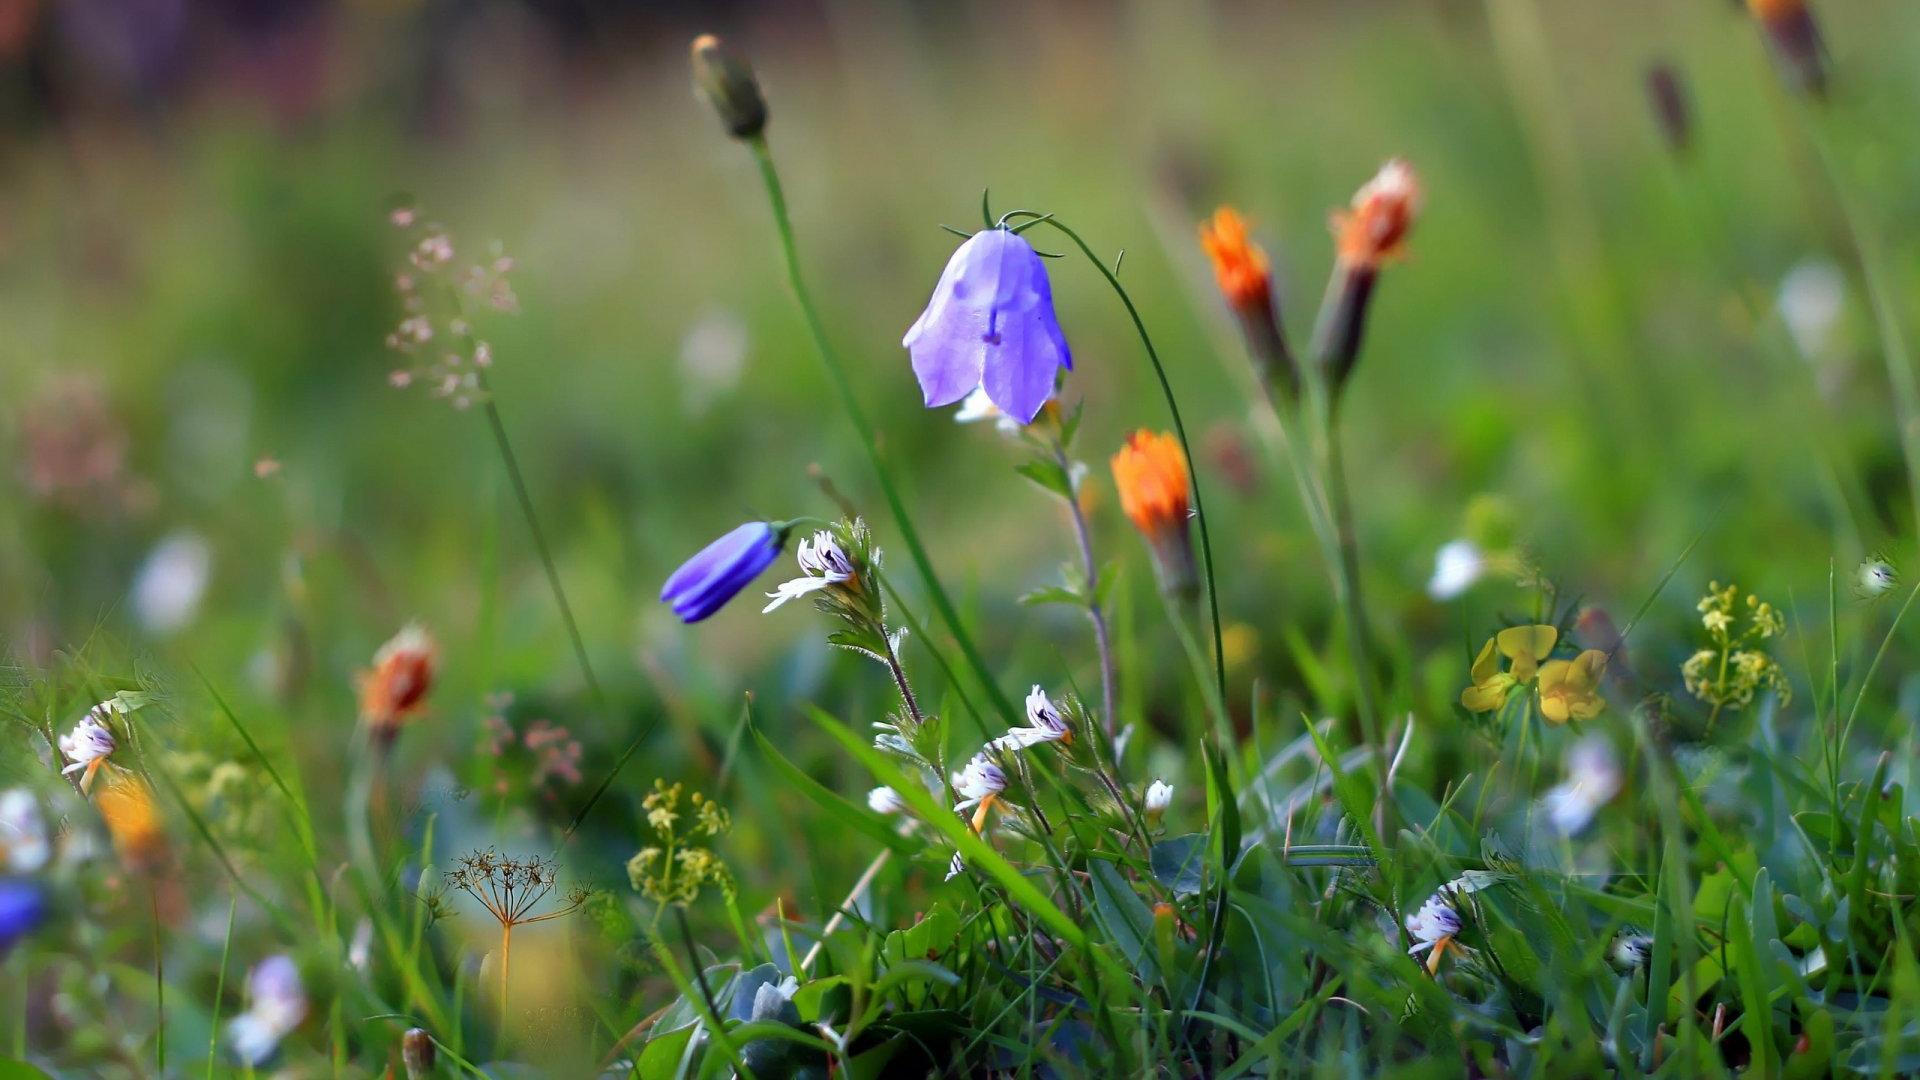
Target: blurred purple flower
23,907
990,324
708,580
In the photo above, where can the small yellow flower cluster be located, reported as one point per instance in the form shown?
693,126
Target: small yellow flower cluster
1568,689
1735,665
674,870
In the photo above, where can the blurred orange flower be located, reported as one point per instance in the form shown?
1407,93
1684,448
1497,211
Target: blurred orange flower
1374,229
1238,263
395,690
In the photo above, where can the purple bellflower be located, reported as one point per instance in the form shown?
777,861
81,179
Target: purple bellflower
990,324
23,907
704,583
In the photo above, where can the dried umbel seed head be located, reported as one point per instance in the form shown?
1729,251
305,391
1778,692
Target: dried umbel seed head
726,80
417,1053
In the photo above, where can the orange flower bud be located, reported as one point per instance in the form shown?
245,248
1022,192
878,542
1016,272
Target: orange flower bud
1794,39
1374,229
1150,473
1238,263
395,690
133,821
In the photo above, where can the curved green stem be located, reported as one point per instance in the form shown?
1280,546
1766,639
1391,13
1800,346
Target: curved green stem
1179,431
949,615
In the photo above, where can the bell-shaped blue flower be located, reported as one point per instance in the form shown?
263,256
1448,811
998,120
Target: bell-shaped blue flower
990,324
704,583
23,907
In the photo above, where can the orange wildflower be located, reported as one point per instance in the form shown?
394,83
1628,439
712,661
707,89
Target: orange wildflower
1238,263
1150,472
133,821
395,690
1374,229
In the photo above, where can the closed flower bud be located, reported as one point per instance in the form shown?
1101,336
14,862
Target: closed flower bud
1794,40
133,821
1369,233
1671,110
1150,472
726,80
417,1053
1240,268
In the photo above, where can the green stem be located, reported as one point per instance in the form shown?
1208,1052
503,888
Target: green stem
1102,644
220,986
942,603
1179,431
159,985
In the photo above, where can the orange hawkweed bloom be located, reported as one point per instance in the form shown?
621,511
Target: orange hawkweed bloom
1150,472
133,821
1238,263
1373,230
395,690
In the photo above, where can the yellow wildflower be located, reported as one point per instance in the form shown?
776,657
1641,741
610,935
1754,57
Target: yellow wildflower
1524,647
1570,689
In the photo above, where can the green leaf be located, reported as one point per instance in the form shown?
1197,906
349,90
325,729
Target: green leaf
1179,863
1128,922
1052,594
855,817
1223,811
1047,473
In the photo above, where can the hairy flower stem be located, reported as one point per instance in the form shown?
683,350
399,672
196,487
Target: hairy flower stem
1095,614
949,615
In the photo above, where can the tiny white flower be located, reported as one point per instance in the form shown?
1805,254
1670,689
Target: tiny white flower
1456,566
713,355
90,742
1593,779
885,800
822,564
1877,577
1044,724
979,782
1812,297
977,406
171,583
1159,797
1436,921
277,1005
360,951
23,832
1631,950
956,866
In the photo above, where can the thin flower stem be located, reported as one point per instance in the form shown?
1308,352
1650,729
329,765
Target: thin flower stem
900,680
860,886
1347,549
506,953
159,984
220,986
1179,431
525,499
1095,614
942,603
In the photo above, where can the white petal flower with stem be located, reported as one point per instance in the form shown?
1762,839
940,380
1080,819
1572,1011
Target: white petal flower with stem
1159,797
1433,928
89,744
1045,723
822,564
979,786
956,866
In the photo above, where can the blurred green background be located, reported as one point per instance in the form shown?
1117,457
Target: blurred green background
196,267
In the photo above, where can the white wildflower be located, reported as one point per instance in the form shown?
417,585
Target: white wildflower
1812,297
89,744
277,1002
1044,724
171,583
1877,578
977,406
1593,779
1159,797
1456,567
885,800
23,832
822,564
979,783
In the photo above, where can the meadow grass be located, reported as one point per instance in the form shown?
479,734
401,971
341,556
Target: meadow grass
1502,669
